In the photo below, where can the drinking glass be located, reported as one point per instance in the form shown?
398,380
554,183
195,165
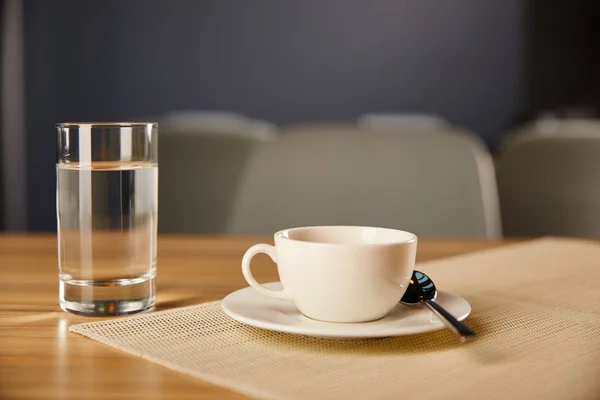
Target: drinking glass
107,212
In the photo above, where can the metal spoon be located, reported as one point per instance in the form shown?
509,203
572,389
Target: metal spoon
421,290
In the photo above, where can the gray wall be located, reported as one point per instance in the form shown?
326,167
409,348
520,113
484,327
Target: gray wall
283,61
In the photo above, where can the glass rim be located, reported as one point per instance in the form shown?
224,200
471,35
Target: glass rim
105,124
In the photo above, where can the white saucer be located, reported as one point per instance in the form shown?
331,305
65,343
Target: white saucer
252,308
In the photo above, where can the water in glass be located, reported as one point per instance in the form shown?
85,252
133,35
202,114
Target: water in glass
107,223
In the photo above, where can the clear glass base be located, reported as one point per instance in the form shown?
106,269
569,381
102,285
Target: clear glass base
107,298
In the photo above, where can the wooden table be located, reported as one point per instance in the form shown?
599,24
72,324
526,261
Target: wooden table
40,359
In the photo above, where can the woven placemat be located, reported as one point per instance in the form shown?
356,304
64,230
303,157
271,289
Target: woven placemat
536,308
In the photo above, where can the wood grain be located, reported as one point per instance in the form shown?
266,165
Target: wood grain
39,359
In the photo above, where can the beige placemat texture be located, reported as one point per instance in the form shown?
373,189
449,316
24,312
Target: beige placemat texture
536,308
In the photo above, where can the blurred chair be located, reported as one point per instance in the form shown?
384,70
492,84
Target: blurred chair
214,121
202,156
549,184
401,120
553,126
433,184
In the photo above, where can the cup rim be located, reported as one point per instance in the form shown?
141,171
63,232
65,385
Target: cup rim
412,238
104,124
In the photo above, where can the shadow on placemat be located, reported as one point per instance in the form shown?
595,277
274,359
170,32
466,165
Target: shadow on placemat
426,343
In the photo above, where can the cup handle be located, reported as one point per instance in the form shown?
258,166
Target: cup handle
250,253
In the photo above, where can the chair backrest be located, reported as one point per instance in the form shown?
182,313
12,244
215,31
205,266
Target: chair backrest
214,122
549,184
201,161
550,126
432,183
401,120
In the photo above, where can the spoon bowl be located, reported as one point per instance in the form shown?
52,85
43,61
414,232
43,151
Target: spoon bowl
422,291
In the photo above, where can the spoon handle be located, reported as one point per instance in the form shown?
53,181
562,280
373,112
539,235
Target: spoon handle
463,332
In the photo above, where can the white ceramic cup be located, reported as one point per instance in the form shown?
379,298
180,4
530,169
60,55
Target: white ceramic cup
339,273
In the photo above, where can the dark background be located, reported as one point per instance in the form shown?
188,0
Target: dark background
562,54
2,184
486,65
